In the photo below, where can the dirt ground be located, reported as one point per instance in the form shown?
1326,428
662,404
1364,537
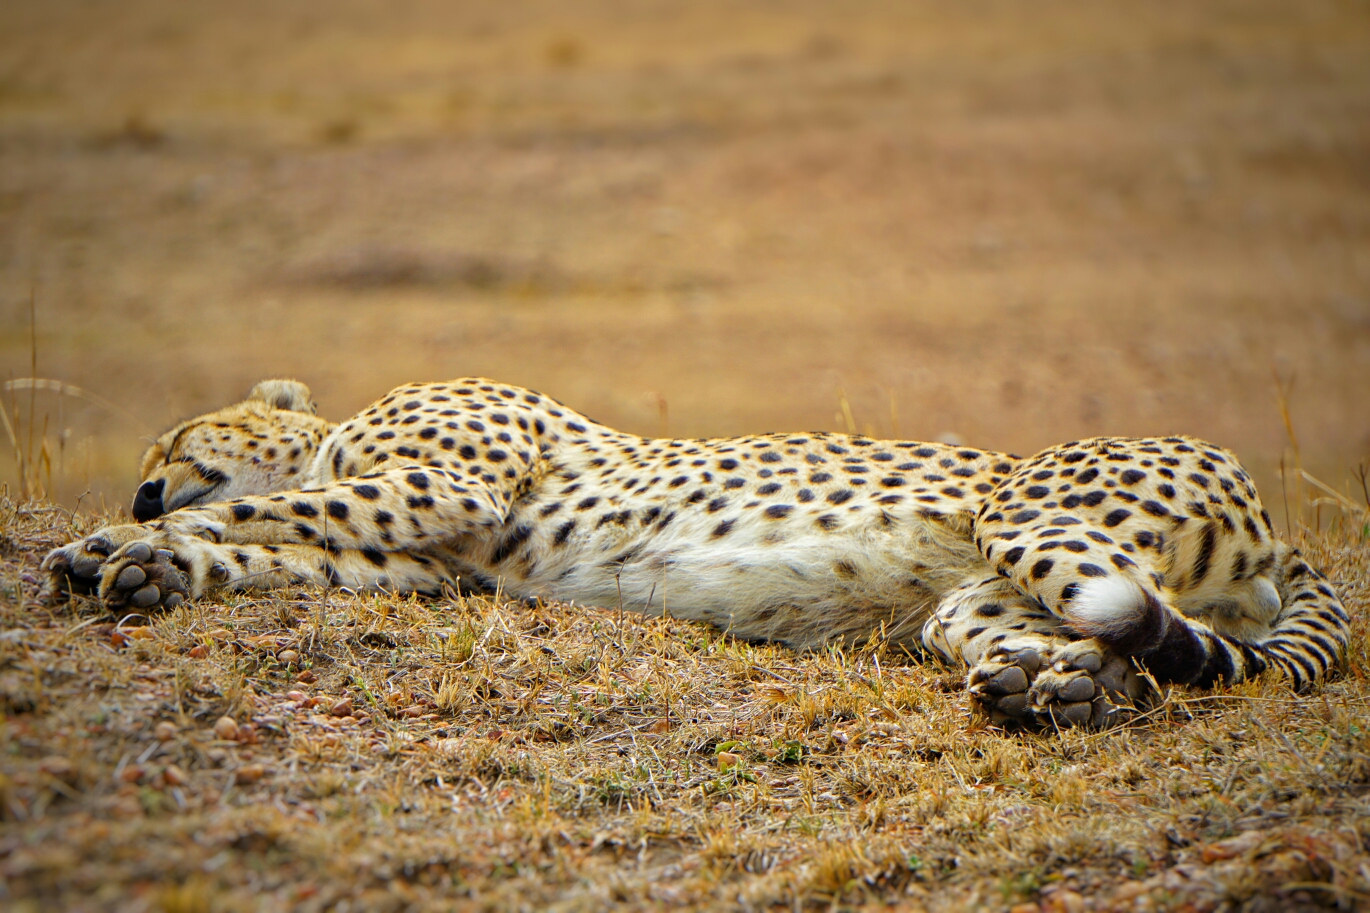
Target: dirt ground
1016,224
477,754
1001,223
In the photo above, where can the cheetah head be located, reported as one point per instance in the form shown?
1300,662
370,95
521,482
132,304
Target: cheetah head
261,445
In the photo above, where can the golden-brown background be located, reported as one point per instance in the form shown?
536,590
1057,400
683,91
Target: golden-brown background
1013,223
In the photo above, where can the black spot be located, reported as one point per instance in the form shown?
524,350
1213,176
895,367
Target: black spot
1093,570
778,511
375,556
841,497
1207,544
367,492
243,511
1013,555
805,495
304,509
727,464
716,505
769,488
770,456
827,521
1075,545
1123,561
818,478
1042,568
1117,516
1094,498
563,532
1037,492
1025,516
510,542
1155,508
417,480
1131,476
337,510
587,503
1087,476
722,529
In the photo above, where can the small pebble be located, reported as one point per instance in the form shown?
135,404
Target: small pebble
296,696
727,759
226,728
175,776
249,773
58,768
131,774
342,707
165,731
306,676
288,656
199,651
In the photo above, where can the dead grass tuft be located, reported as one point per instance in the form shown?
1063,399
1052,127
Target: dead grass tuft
397,753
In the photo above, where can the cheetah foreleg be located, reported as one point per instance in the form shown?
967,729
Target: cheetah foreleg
401,510
161,572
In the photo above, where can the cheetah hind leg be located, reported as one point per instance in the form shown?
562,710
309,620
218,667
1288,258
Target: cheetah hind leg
1026,670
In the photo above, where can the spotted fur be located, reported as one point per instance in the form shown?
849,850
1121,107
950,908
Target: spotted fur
1054,578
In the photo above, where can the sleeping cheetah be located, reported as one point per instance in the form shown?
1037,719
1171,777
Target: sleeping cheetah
1054,578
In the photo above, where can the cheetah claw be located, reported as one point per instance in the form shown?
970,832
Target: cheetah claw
75,569
141,577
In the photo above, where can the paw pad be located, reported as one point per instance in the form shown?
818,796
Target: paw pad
141,577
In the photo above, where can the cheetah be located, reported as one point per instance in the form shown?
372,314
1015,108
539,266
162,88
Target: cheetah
1061,581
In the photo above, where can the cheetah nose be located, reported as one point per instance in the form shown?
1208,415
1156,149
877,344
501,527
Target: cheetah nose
147,503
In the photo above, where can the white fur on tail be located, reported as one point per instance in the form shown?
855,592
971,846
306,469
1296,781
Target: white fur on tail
1108,606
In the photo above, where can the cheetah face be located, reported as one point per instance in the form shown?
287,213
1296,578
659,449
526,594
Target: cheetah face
259,446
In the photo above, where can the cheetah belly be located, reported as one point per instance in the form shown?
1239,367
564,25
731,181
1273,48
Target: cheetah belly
805,589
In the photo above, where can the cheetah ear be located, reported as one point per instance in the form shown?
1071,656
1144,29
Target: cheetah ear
283,394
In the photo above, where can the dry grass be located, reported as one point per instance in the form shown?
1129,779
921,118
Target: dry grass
494,754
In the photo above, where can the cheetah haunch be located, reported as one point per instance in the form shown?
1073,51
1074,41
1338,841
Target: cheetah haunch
1054,578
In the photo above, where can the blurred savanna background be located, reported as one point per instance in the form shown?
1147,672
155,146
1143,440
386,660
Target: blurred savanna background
1008,224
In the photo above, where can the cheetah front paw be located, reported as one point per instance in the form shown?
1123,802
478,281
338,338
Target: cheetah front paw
1076,684
142,577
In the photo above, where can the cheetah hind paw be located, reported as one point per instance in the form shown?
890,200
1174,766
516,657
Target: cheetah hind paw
141,577
1078,684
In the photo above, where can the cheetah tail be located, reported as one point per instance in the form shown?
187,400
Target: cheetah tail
1310,635
1306,641
1131,619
